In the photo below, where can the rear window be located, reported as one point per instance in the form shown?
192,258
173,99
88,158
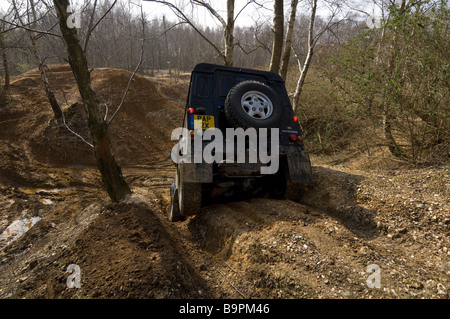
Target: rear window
202,87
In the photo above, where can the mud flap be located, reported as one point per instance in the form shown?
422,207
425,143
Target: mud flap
299,165
174,208
197,172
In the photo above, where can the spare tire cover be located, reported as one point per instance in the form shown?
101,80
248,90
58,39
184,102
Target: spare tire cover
253,104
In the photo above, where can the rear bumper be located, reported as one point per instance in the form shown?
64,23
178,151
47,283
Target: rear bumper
298,164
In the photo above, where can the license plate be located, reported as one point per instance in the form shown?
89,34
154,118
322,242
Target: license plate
206,121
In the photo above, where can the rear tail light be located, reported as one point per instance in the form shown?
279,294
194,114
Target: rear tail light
295,138
295,119
191,110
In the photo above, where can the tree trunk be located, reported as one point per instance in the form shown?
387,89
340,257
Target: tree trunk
111,173
48,89
166,45
394,148
301,79
304,69
288,41
388,116
41,66
229,33
5,87
278,34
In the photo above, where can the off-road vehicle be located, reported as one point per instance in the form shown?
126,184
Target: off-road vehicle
222,97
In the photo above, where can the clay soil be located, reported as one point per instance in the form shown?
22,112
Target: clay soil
319,247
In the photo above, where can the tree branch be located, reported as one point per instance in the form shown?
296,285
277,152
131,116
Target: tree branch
62,113
211,10
88,35
238,44
134,72
28,29
182,16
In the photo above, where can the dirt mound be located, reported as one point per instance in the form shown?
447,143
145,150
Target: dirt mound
335,193
124,250
139,134
175,87
126,253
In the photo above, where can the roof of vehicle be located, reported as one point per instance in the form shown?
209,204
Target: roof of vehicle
210,68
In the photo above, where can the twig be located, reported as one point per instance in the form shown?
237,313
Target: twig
9,121
179,13
166,31
30,29
106,112
243,296
62,112
73,132
88,35
134,72
238,44
91,22
242,9
212,11
229,266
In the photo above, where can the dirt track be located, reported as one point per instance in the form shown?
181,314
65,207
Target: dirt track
260,248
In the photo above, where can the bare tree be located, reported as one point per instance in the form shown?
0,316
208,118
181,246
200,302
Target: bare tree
303,67
111,173
278,34
228,33
313,39
288,40
134,72
227,24
228,28
30,25
4,89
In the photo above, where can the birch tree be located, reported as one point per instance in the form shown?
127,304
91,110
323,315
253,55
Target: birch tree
313,39
288,40
303,67
278,34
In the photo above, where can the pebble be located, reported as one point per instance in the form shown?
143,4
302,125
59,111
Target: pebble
21,279
441,289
